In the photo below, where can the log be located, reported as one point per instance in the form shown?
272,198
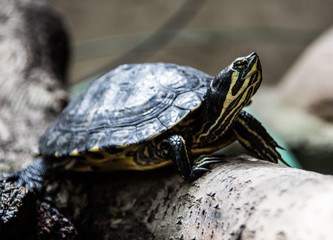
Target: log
241,198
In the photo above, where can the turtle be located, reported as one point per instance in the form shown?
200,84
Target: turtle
149,115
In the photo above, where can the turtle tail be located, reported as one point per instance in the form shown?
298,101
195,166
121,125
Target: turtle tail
31,177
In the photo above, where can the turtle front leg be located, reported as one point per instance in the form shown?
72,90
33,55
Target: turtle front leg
254,137
31,177
174,148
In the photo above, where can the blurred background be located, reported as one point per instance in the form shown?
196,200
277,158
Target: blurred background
208,35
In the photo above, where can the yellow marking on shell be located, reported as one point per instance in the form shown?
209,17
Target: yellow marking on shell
146,152
95,148
121,166
58,155
115,162
133,166
74,153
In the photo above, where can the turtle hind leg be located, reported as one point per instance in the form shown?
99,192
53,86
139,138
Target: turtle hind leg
254,137
174,148
31,177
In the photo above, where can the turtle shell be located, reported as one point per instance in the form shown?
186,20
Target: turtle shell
128,105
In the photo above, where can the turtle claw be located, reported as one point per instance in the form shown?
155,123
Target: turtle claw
206,161
202,165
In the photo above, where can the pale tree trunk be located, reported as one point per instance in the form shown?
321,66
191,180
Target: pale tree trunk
241,198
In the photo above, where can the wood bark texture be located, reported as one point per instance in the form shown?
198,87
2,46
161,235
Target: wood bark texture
241,198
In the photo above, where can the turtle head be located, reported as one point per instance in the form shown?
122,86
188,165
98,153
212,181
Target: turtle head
230,91
234,86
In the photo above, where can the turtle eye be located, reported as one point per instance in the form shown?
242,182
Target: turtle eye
240,64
